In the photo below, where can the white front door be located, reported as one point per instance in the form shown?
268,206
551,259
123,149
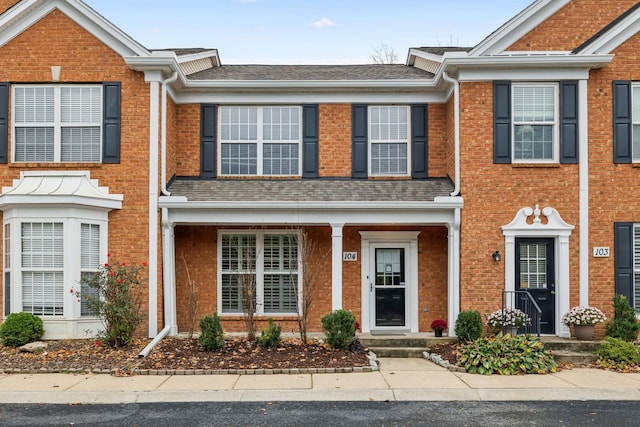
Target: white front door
389,286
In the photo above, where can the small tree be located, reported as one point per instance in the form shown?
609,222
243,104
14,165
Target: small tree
311,260
624,324
193,298
117,301
211,333
243,256
384,54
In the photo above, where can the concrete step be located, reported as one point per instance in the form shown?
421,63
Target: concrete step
402,341
399,352
571,345
574,357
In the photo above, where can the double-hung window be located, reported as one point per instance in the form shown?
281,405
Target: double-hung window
535,122
57,123
89,263
389,140
260,140
260,265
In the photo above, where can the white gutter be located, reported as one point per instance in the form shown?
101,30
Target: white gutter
163,138
456,113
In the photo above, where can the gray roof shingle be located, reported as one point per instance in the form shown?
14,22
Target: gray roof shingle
441,50
312,72
310,190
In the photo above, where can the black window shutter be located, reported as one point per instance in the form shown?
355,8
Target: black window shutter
360,141
111,122
623,262
419,142
4,122
310,141
501,122
569,122
208,133
621,122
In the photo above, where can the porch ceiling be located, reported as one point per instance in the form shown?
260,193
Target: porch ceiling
311,190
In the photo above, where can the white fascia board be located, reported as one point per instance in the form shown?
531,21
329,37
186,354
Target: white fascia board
628,27
441,203
417,53
545,74
212,53
167,64
280,97
387,84
9,202
517,27
530,61
26,13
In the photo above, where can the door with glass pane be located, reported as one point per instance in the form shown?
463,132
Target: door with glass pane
389,287
535,272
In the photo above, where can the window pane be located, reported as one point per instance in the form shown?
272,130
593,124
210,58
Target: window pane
34,105
81,144
280,159
43,292
34,144
389,123
280,293
533,103
533,265
636,142
281,124
238,123
81,104
389,159
42,245
533,142
239,159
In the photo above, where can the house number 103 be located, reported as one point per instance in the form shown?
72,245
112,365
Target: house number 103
601,251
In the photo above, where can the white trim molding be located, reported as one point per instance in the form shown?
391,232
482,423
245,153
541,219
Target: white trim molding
529,222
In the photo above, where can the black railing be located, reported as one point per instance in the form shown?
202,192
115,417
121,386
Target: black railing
523,301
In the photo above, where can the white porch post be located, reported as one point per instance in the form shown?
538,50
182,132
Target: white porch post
336,266
454,272
169,274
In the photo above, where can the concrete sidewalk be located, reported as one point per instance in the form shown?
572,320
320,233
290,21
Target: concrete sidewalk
396,380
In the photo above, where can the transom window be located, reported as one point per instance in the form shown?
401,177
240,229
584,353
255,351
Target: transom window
260,140
263,263
389,140
61,123
535,122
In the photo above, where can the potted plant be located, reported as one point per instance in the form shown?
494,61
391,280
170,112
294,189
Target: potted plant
508,319
583,320
438,326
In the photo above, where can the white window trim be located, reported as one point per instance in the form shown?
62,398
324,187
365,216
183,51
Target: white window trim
370,141
57,124
259,270
636,266
259,141
555,123
635,121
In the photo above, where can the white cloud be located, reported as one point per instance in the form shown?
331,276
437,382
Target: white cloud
246,1
323,23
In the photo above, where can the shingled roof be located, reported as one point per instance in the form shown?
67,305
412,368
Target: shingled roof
441,50
312,72
310,190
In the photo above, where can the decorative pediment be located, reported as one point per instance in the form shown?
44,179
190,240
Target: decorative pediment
533,221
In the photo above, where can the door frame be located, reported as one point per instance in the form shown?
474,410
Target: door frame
373,288
408,240
528,223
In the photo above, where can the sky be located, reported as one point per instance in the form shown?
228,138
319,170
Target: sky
307,31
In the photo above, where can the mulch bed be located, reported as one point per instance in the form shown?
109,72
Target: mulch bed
178,354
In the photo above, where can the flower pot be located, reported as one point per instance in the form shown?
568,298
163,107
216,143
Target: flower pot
511,330
438,332
583,332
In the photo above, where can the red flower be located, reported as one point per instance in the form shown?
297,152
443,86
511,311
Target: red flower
98,343
144,263
438,324
111,274
109,255
119,281
71,290
106,264
357,326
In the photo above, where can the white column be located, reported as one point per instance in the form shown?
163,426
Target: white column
169,274
562,292
336,266
583,155
153,78
454,273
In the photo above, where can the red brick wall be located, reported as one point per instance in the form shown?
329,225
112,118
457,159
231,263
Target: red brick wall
335,140
494,194
438,128
197,245
56,40
188,140
6,4
572,25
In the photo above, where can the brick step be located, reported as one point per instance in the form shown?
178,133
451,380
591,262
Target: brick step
399,352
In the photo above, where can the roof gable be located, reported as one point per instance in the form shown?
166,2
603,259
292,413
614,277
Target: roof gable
26,13
613,35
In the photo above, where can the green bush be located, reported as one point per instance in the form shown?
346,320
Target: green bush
624,324
340,328
618,352
506,355
21,328
211,333
469,326
270,337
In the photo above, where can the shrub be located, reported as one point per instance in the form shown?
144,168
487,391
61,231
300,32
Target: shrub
211,333
618,352
270,337
116,300
624,324
507,355
340,328
21,328
469,326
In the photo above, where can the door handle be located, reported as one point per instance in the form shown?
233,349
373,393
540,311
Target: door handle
370,286
553,292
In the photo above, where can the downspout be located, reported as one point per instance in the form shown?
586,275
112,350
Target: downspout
456,121
163,137
163,188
